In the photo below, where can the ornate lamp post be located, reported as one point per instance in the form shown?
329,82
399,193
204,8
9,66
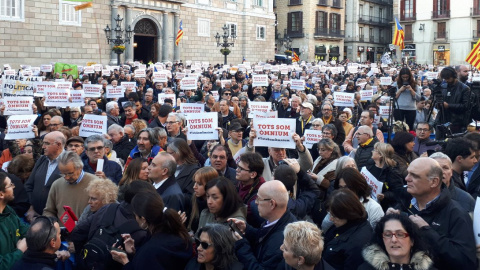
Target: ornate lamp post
225,44
287,42
119,39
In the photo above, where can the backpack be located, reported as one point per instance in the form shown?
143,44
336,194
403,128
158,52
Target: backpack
96,252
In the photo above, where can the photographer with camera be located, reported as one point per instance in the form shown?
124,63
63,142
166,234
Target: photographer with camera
408,94
452,99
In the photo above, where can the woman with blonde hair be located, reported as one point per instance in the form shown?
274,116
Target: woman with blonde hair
100,193
139,125
383,167
302,246
199,198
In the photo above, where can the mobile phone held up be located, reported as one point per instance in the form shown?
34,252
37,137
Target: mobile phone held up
234,227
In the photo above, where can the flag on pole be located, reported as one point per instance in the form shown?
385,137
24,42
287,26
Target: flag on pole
398,35
473,57
295,57
179,34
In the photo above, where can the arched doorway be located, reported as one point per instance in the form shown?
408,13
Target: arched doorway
145,41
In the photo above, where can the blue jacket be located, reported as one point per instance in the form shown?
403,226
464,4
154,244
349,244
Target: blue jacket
112,170
135,153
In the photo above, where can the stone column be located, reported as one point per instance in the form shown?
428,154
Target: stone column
165,37
129,46
113,24
176,49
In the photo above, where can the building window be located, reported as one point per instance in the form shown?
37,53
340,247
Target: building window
321,21
258,3
295,24
232,29
12,10
441,9
360,10
407,10
441,30
261,32
476,7
335,21
203,27
68,15
294,2
408,32
203,2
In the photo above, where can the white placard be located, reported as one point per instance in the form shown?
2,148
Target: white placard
202,126
163,96
343,99
100,163
366,94
140,73
46,68
384,110
215,95
77,98
432,75
115,91
259,80
39,88
55,97
132,85
284,70
274,132
312,137
259,106
271,114
97,67
89,70
385,80
159,77
238,154
189,83
106,72
298,85
476,221
92,90
18,105
353,69
20,127
93,125
224,82
373,183
188,108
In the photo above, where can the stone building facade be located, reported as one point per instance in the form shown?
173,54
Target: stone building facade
40,32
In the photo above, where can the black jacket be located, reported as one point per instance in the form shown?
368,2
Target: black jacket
377,258
364,153
111,169
20,202
458,99
172,194
392,183
36,261
185,178
260,248
124,147
450,232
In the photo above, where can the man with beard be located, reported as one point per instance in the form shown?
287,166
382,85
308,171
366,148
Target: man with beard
147,146
12,229
462,72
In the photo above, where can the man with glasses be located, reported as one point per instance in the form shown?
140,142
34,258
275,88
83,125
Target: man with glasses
235,141
70,188
174,126
56,123
366,141
95,150
12,229
328,118
366,119
129,113
260,248
423,131
44,173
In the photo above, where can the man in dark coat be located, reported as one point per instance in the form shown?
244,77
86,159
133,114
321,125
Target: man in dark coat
366,141
462,154
94,151
260,248
122,144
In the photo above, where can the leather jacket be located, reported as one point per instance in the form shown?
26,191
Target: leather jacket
457,97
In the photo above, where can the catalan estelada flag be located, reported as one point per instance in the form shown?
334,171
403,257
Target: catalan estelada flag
179,34
473,57
295,57
398,35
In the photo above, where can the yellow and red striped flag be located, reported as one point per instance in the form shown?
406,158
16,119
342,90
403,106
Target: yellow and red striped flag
295,57
398,35
179,34
473,57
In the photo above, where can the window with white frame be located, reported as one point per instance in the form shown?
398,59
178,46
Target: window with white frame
12,10
203,2
203,27
68,15
232,29
261,32
258,3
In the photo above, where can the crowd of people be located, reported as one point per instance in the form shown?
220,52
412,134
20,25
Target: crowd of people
147,196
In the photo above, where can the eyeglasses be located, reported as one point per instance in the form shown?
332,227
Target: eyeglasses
171,122
258,200
399,235
98,148
218,157
227,94
239,168
204,245
422,129
49,236
12,185
66,174
316,125
326,133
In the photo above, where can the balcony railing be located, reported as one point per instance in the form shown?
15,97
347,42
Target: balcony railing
409,37
476,34
365,19
323,2
328,32
337,3
408,17
440,35
361,38
474,11
440,14
299,34
372,39
294,2
381,2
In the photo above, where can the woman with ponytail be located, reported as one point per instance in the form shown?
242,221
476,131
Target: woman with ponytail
168,245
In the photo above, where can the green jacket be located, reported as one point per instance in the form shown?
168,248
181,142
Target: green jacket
11,230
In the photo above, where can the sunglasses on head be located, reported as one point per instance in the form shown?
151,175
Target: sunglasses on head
204,245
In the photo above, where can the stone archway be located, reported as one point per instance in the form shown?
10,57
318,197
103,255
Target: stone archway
145,41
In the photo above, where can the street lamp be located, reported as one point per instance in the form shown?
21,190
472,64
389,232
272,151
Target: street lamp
225,44
119,40
287,42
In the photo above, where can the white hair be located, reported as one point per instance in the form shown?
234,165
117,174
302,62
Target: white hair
110,106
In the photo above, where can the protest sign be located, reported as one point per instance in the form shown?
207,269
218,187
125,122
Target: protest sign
140,73
258,106
373,183
366,94
238,154
259,80
385,80
180,75
353,69
46,68
115,91
283,70
215,95
312,137
89,70
142,67
39,88
131,85
188,108
163,96
384,110
274,132
259,114
476,221
298,85
77,98
202,126
431,75
189,83
57,97
18,105
92,90
159,77
20,127
93,125
224,82
106,72
64,85
343,99
19,86
275,68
